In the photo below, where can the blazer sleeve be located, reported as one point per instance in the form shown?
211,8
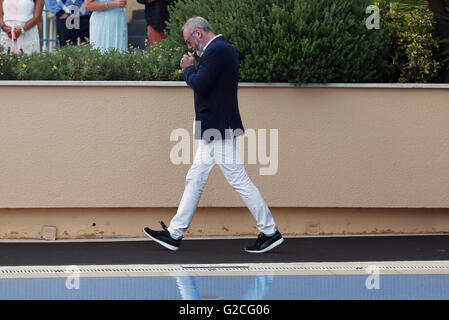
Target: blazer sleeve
202,78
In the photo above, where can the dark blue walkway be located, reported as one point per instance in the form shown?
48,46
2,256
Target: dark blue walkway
331,249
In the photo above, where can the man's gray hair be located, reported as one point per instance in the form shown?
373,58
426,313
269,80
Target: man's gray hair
197,22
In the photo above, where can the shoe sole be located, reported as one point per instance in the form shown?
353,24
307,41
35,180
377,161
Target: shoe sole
162,243
273,245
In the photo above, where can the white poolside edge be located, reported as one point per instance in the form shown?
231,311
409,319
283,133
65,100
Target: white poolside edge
224,269
241,84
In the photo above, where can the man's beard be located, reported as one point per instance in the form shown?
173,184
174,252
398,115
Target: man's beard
199,47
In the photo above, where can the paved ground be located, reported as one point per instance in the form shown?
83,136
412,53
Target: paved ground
332,249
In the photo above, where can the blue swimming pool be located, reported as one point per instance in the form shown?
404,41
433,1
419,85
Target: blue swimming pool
255,287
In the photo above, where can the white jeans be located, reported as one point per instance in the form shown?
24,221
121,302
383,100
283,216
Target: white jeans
224,153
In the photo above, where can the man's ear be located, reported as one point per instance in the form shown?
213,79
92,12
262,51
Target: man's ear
199,34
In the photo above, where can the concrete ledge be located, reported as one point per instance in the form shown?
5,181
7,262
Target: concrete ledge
241,84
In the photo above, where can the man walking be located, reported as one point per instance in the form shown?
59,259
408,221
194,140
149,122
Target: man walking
217,123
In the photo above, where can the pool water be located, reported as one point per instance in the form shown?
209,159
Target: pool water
228,287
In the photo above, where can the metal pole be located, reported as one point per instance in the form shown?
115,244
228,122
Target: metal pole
44,31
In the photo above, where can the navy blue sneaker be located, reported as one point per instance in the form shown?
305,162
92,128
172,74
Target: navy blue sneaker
163,237
265,243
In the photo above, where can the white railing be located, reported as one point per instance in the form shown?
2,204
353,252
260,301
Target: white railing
48,37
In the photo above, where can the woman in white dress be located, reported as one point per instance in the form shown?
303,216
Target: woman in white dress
18,22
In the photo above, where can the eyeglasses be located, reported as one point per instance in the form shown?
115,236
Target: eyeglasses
188,39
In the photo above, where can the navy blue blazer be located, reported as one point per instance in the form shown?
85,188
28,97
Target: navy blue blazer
214,82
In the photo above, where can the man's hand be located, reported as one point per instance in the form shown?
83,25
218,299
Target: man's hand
187,61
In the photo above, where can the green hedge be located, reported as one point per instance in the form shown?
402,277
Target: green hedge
84,63
298,41
413,41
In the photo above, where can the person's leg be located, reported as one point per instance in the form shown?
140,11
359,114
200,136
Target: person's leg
72,36
61,31
154,35
228,159
66,35
195,181
83,32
